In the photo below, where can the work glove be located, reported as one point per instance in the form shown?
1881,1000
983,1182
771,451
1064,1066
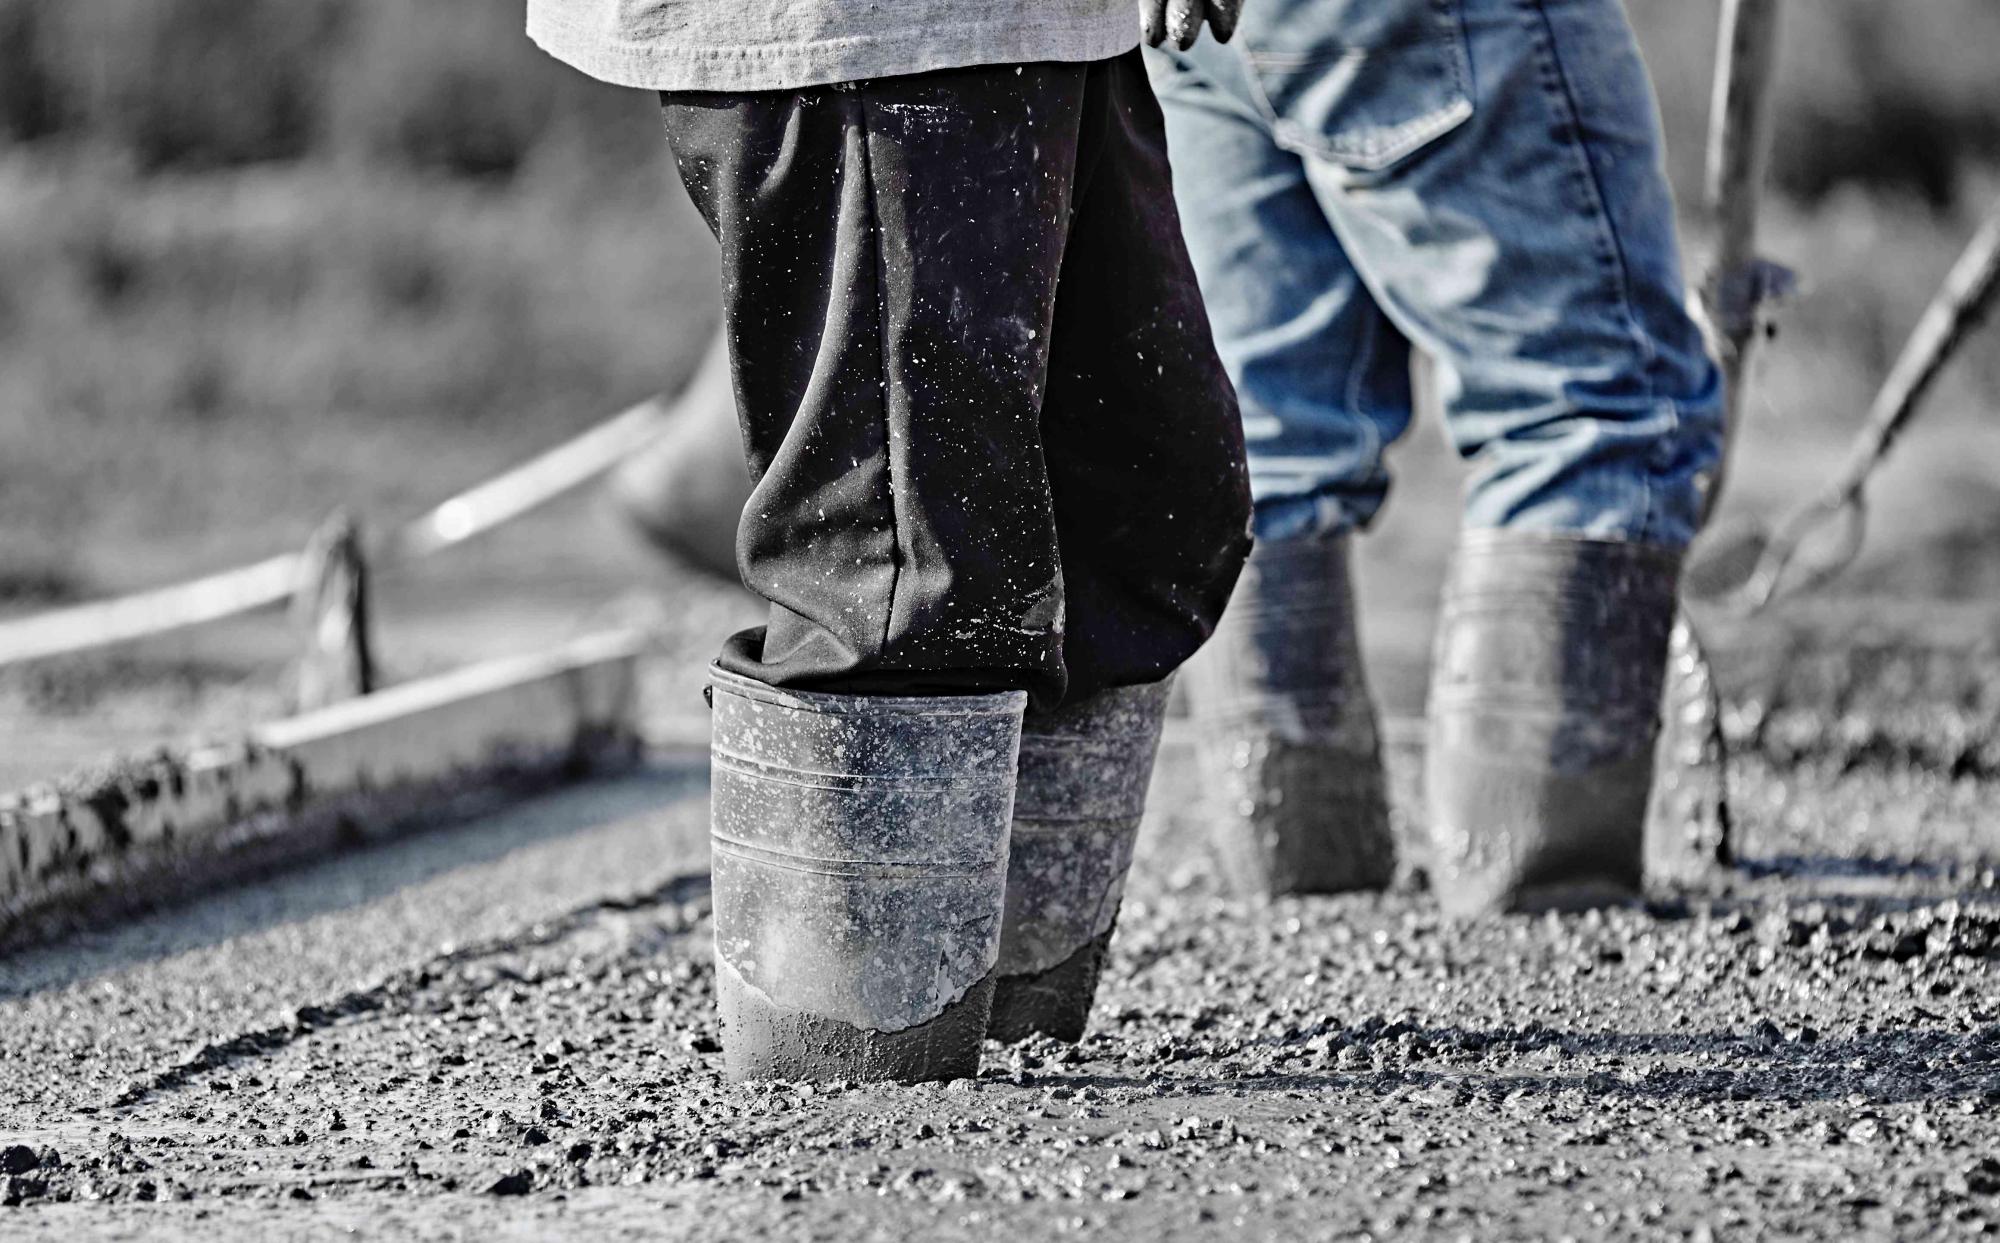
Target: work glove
1179,21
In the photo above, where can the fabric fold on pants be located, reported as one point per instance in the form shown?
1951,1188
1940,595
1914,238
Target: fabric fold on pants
992,444
1481,180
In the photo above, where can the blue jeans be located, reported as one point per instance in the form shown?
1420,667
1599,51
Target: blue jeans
1481,178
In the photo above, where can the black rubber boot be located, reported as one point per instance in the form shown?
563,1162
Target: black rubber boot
1082,790
1286,733
684,493
860,867
1545,701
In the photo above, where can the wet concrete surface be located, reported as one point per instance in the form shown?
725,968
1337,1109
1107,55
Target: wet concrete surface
505,1030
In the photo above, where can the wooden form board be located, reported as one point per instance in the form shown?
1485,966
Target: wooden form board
362,766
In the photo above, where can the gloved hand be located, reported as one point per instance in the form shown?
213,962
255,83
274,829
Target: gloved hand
1179,21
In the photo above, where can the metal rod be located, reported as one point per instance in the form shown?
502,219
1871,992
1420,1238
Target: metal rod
1960,305
528,486
1732,296
100,624
275,579
1738,281
1958,308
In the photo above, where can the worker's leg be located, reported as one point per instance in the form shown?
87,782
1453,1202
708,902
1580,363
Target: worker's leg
1144,455
1494,169
892,254
1143,444
1287,738
1321,374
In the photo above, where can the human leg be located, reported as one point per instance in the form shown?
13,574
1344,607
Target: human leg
1144,455
1321,375
891,424
1493,167
890,255
963,480
1288,741
1529,247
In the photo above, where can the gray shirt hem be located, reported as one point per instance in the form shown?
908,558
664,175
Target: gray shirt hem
784,66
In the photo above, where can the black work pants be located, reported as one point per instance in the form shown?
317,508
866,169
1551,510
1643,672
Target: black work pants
992,444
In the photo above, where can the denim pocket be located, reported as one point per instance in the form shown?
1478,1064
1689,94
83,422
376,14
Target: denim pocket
1364,83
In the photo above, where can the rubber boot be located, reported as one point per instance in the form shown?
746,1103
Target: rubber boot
684,493
1545,700
1285,732
1082,790
859,871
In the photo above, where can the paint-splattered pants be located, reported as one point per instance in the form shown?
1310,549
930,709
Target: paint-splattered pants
992,443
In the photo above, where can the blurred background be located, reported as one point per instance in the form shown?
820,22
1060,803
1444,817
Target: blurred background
263,258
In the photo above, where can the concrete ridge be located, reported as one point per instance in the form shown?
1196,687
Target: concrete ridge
180,819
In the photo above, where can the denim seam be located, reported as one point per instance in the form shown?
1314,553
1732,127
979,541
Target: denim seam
1461,63
1222,102
882,362
1346,51
1260,99
1323,195
1364,365
1655,501
1417,133
1400,141
1556,85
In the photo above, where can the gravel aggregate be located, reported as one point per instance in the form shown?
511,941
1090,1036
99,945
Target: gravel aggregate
506,1029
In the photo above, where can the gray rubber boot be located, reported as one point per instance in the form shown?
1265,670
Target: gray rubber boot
1545,702
684,494
1286,732
860,868
1082,790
